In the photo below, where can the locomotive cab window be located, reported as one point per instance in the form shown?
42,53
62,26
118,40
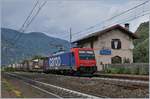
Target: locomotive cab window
86,55
116,44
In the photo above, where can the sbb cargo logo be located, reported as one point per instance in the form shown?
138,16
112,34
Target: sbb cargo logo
55,61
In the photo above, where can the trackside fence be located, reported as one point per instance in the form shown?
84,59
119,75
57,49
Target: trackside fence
133,68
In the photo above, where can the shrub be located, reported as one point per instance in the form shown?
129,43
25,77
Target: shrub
126,71
121,69
9,69
114,70
108,70
135,70
143,71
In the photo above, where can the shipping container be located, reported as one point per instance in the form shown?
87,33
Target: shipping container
64,61
45,63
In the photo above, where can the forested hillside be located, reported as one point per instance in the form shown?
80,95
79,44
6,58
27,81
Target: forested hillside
141,50
28,45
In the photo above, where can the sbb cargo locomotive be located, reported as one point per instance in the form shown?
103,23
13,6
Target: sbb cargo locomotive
78,60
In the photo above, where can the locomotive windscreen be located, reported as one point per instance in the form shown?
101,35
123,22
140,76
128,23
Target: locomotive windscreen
86,55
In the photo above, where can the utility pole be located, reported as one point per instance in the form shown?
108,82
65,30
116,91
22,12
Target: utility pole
149,44
70,38
149,38
70,47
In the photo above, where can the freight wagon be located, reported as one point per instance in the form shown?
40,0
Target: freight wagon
36,65
25,65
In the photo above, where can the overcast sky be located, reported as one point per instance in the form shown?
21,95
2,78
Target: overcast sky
57,16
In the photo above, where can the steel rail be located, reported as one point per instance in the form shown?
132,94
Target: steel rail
41,89
59,88
122,80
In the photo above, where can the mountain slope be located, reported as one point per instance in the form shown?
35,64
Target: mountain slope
28,45
141,50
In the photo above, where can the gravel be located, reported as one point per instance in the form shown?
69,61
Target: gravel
97,87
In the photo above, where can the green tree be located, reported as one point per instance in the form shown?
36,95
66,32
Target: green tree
141,50
37,57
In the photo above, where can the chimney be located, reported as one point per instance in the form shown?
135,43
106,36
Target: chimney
126,25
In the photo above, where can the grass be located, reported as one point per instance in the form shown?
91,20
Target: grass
9,69
10,88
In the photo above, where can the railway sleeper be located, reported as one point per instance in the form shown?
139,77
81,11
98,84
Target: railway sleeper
59,91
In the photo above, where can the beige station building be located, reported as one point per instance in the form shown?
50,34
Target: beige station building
111,45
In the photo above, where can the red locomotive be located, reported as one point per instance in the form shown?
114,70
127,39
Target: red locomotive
84,60
80,60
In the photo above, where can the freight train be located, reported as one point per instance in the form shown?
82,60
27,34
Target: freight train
78,60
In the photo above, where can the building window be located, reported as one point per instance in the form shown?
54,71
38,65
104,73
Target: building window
116,44
116,59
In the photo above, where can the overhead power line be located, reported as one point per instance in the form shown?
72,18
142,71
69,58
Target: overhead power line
40,7
104,21
121,22
29,19
109,19
26,24
118,22
103,25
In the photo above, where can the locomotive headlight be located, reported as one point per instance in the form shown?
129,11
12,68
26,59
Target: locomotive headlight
81,65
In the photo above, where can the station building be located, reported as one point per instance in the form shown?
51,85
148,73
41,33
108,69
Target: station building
111,45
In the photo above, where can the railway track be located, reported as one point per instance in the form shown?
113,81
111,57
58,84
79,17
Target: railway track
130,84
123,76
96,86
58,92
121,80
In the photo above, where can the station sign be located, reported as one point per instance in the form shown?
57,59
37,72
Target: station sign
105,52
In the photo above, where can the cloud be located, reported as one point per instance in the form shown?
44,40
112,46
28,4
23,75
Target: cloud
57,16
14,12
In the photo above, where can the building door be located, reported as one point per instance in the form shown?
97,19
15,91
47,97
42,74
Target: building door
116,59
